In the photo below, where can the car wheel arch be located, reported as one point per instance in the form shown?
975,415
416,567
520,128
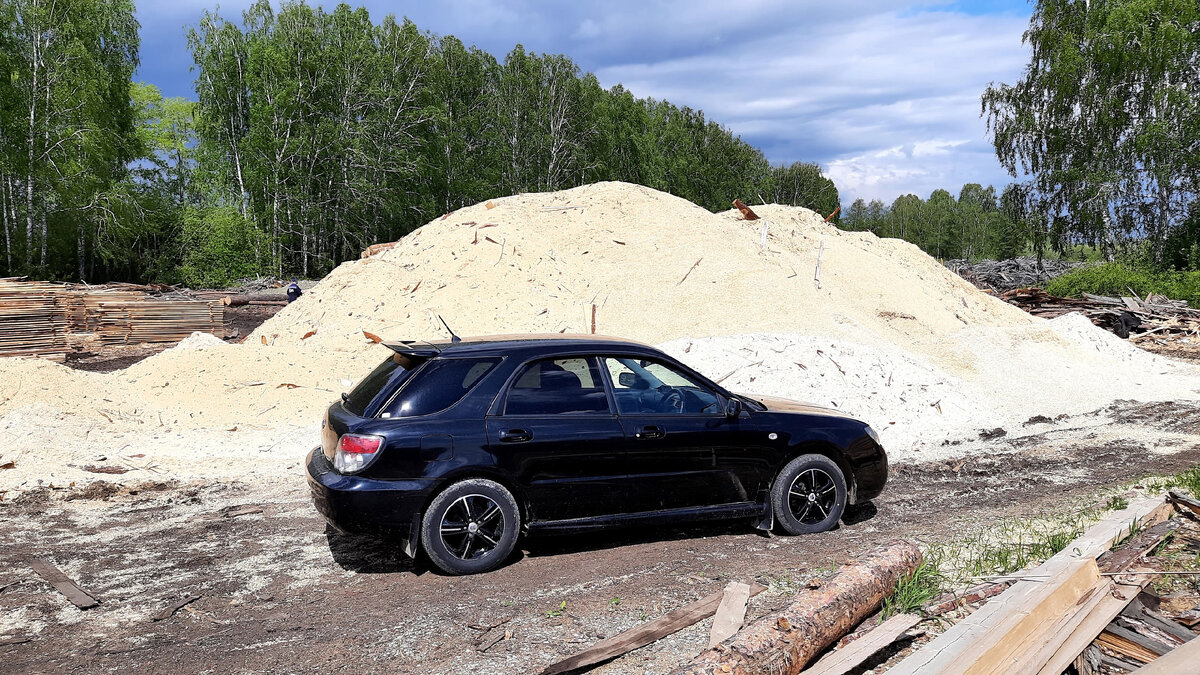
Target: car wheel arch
828,450
477,472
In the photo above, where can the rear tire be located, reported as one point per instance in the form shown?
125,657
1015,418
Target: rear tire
470,527
809,495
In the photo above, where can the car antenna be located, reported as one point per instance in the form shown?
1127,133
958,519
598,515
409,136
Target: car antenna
453,338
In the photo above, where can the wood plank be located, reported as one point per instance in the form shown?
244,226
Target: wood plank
854,654
731,613
1131,644
62,584
958,648
1130,551
1114,599
642,635
1179,661
1180,499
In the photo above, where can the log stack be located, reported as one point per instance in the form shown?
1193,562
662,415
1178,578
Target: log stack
50,320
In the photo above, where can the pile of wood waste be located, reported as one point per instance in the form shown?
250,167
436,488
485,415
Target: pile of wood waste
1004,275
1128,317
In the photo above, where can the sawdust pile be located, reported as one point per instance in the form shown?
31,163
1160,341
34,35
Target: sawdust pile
656,268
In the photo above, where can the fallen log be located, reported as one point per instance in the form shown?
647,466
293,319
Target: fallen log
242,300
644,634
784,642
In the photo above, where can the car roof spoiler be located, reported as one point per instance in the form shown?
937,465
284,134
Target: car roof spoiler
414,348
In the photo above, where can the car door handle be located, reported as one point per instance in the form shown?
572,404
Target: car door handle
648,432
516,436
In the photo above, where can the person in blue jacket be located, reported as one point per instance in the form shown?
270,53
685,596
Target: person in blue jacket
293,291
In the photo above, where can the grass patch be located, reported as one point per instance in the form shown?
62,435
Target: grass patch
914,590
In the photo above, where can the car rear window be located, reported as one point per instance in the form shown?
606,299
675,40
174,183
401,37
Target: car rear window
441,384
370,393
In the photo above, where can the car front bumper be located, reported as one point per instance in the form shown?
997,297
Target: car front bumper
357,505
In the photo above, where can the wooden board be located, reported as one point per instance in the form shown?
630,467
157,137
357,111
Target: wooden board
731,613
1179,661
62,584
854,654
968,641
644,634
1114,599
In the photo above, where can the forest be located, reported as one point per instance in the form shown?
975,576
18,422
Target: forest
314,133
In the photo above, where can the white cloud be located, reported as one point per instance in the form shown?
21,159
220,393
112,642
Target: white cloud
884,95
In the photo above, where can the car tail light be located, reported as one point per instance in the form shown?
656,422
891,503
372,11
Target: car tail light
355,451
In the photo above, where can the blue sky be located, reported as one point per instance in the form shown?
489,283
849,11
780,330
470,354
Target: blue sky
883,95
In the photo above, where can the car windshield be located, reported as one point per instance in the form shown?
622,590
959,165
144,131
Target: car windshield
368,395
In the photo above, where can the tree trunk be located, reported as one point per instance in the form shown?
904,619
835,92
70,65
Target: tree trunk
784,642
80,246
4,198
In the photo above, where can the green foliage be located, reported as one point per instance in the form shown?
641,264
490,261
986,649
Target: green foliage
219,247
1106,120
1117,279
915,589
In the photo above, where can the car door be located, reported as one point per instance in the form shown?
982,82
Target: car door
674,428
557,434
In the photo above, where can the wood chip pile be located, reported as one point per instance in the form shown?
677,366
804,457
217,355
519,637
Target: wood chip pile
50,320
1158,315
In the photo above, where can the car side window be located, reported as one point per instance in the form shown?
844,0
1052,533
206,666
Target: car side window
646,387
557,387
443,383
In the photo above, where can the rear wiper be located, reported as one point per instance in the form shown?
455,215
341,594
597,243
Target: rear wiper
345,397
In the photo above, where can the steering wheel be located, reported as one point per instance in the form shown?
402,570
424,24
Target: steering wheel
672,398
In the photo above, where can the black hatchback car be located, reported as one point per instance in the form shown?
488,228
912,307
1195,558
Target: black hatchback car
458,448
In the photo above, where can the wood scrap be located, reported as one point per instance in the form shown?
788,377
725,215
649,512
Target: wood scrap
1113,599
1131,551
169,611
689,272
847,658
1129,644
817,271
785,641
241,510
642,635
731,613
1184,502
62,584
979,643
1182,659
1170,318
747,212
14,640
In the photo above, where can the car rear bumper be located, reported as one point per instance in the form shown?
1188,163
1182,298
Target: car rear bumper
357,505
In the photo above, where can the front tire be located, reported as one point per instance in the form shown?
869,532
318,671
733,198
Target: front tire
470,527
809,495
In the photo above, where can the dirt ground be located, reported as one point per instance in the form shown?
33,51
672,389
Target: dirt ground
280,592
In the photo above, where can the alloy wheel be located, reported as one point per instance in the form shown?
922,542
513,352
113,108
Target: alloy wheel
812,496
472,527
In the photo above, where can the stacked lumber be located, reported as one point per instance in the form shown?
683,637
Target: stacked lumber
50,320
33,320
139,321
1156,314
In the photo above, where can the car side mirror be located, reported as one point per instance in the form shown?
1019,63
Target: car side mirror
733,408
627,380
